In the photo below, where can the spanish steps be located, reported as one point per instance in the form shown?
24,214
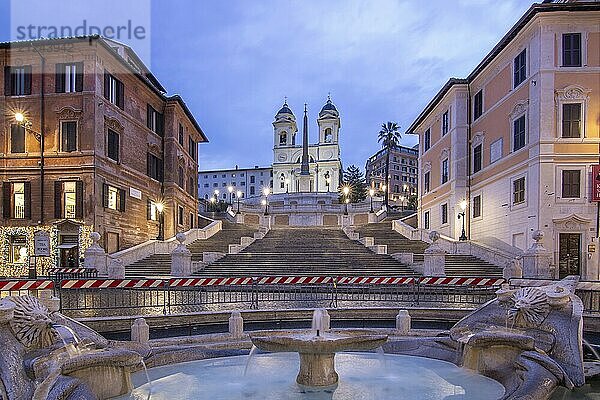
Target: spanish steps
159,265
456,264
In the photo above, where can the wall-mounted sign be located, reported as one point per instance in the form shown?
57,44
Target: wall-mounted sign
591,248
596,183
41,244
135,193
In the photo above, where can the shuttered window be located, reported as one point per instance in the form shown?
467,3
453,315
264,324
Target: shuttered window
571,50
571,184
113,145
69,77
571,120
17,138
113,198
519,133
114,90
154,120
478,105
477,206
477,158
68,132
17,80
154,167
519,68
16,200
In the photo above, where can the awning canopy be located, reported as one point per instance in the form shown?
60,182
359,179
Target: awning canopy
67,245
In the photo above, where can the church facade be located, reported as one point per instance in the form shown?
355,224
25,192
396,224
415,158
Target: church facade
303,167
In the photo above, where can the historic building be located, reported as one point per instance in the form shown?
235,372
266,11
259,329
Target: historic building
89,141
516,140
403,176
250,182
305,167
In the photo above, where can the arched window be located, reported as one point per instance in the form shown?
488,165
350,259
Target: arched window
328,135
283,138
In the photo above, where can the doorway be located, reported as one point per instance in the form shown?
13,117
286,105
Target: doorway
569,254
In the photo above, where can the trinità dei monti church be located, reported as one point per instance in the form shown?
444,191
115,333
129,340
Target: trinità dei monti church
303,167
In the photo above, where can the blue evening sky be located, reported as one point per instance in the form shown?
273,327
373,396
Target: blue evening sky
234,61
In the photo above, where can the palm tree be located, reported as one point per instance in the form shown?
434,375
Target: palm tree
389,137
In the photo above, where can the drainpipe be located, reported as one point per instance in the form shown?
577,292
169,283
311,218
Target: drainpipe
42,129
469,133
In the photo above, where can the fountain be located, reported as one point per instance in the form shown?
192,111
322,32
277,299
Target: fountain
49,356
317,349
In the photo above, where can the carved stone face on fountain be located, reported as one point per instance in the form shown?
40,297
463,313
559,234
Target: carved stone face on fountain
31,323
529,307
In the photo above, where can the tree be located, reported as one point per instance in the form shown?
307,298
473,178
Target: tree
355,180
389,137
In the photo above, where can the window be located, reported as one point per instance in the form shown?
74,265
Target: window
519,190
192,148
114,91
520,68
251,190
427,140
18,249
571,50
19,200
154,120
180,215
477,206
192,186
152,211
477,158
113,145
16,200
444,214
252,179
181,137
17,138
243,183
70,199
478,105
328,135
181,177
445,123
215,184
519,133
206,185
69,78
282,138
445,171
68,134
426,181
154,167
113,198
571,120
282,185
426,219
17,80
191,220
571,184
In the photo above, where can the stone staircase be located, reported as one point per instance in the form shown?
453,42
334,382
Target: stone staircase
159,265
456,264
306,251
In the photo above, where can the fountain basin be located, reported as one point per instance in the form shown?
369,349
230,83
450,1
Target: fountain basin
363,376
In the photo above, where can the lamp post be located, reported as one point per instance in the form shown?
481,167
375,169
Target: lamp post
230,190
371,194
26,125
402,203
212,204
346,191
238,195
266,192
160,207
463,206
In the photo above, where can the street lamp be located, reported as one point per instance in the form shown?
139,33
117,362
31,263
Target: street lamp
238,195
230,190
212,203
265,202
401,203
371,194
160,207
463,206
346,191
216,194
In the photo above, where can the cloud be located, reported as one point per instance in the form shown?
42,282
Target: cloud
383,60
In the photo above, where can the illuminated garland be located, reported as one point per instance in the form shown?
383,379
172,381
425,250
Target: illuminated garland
43,263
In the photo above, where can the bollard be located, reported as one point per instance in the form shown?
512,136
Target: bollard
403,322
236,325
140,331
